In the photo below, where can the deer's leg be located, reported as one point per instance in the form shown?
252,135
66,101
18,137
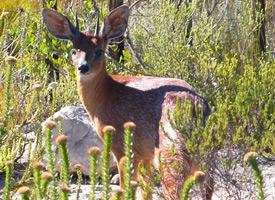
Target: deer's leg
135,168
120,167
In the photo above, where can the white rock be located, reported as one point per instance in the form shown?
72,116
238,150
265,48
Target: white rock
81,135
115,179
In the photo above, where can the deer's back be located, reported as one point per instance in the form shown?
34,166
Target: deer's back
152,94
144,100
146,83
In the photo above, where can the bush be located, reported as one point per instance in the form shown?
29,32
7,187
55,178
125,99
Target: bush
219,56
223,67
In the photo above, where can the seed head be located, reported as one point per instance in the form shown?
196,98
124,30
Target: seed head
24,190
65,189
50,124
11,59
38,165
52,85
9,163
130,125
250,156
46,176
199,176
77,167
109,129
61,139
37,86
134,184
93,150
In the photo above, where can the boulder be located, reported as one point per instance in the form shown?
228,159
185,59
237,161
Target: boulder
81,134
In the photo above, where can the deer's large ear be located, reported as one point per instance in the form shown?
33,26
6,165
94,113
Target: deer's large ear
116,23
58,25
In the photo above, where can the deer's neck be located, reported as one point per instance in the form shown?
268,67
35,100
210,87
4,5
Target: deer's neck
95,93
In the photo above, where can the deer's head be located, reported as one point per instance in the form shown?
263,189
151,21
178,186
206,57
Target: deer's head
88,48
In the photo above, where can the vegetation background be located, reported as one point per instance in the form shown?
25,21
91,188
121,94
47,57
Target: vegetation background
224,48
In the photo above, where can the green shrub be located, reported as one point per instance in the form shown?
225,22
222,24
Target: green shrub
251,159
129,128
108,132
93,154
220,58
222,65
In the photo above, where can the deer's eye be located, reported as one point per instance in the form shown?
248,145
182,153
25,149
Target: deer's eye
73,52
98,53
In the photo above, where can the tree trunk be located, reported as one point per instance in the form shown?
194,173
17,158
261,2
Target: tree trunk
190,24
262,37
53,71
187,3
259,7
117,55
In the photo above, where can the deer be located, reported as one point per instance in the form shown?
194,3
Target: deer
144,100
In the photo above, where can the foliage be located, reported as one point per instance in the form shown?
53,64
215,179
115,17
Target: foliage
6,100
7,189
93,154
46,178
50,155
219,58
25,192
129,128
9,5
37,168
79,180
197,178
251,159
223,67
108,132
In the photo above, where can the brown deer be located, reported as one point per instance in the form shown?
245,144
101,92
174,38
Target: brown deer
114,100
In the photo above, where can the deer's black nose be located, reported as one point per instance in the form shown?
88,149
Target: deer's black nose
83,69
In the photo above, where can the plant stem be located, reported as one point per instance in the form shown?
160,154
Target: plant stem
51,161
107,137
128,144
93,170
188,184
7,188
258,178
37,182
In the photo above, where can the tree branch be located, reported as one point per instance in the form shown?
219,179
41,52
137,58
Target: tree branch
134,52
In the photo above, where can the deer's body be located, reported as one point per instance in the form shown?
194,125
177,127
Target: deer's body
146,101
115,100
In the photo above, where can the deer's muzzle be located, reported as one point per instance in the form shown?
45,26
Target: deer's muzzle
83,69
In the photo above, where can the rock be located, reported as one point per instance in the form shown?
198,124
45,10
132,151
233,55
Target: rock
81,134
29,137
115,179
